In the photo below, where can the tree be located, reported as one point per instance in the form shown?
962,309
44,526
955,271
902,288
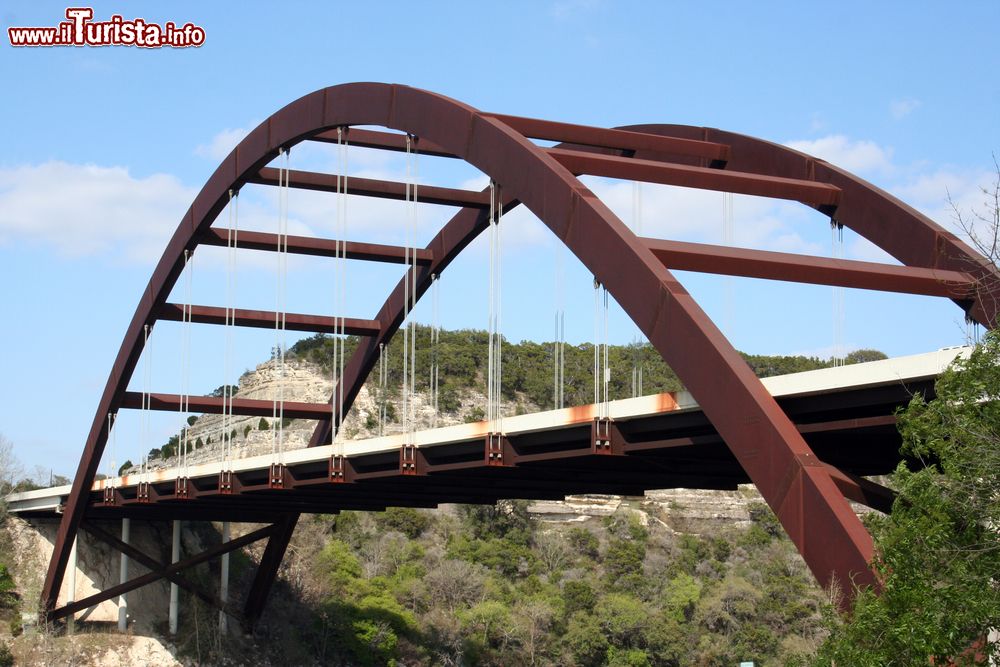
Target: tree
938,553
406,520
982,226
507,518
864,355
219,391
10,468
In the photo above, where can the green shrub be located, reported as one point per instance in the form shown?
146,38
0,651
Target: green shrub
406,520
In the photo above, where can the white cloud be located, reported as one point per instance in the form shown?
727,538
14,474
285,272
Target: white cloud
902,108
565,9
83,209
223,143
857,156
930,193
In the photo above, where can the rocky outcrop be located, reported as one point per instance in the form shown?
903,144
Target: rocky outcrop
682,510
307,383
98,564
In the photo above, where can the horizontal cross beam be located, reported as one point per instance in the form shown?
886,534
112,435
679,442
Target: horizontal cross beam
307,245
862,491
585,135
851,424
822,195
245,407
390,141
369,187
150,577
790,267
265,319
534,128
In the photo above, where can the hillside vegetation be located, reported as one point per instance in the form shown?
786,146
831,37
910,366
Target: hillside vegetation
528,367
492,586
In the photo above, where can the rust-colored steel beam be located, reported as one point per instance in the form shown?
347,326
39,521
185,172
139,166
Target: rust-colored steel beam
267,571
822,195
908,235
155,575
863,491
585,135
247,407
369,187
264,319
704,258
847,424
154,565
389,141
307,245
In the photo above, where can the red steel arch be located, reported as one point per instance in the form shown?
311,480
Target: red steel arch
794,482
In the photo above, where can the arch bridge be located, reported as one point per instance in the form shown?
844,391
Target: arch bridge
756,435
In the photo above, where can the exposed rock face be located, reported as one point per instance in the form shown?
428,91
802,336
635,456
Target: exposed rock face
575,508
682,510
98,565
702,511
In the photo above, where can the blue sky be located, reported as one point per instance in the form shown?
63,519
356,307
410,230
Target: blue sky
104,148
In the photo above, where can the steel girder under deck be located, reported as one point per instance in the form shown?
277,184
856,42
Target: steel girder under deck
804,492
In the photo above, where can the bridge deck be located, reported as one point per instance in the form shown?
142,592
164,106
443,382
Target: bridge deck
659,441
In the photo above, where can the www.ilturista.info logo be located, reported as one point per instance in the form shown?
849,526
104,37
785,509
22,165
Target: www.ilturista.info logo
81,30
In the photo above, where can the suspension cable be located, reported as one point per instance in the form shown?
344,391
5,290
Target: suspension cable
232,243
340,293
837,251
113,437
638,338
186,358
494,413
559,340
435,338
413,282
499,332
147,351
729,240
602,371
278,406
972,332
383,376
407,324
607,367
491,317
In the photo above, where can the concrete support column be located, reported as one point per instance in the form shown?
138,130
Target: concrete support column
224,581
175,555
71,585
123,599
